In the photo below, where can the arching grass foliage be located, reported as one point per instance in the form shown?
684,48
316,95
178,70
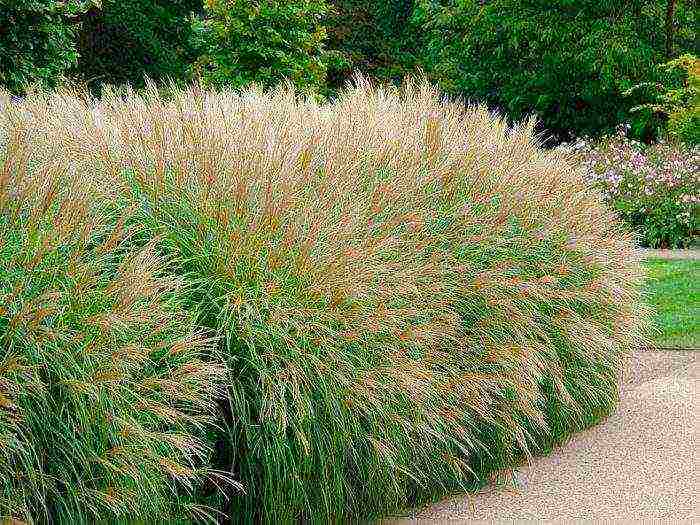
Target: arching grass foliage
407,293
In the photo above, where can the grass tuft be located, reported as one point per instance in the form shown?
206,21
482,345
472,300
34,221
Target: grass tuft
407,294
105,393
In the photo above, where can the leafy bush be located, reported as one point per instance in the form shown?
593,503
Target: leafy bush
104,395
374,38
567,61
37,41
409,294
124,40
677,100
653,188
263,42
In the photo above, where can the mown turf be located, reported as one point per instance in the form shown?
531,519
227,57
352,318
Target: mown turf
673,289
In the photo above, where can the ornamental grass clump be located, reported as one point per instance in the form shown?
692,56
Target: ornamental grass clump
105,396
408,294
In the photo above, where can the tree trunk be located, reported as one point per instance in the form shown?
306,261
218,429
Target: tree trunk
670,13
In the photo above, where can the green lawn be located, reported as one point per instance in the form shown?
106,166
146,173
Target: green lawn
674,291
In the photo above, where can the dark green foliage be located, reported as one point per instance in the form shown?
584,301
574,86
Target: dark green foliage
125,41
37,41
372,37
244,41
567,61
570,63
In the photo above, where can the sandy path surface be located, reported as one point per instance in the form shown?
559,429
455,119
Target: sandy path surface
640,463
692,254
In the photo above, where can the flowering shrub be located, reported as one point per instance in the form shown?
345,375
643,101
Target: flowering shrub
653,188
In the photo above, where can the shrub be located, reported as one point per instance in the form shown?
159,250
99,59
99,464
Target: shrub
375,38
677,100
568,62
653,188
409,294
262,42
124,41
37,41
104,396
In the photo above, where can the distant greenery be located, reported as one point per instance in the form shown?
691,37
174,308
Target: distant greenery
37,41
126,40
574,64
261,41
674,105
568,61
375,38
674,292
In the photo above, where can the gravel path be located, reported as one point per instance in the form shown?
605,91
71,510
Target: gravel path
692,254
641,463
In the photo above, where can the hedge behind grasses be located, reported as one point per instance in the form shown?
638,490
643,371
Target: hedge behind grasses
407,294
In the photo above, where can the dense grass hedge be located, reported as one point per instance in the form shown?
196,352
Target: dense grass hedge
105,394
407,294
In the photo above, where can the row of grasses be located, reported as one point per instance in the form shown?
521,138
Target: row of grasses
249,306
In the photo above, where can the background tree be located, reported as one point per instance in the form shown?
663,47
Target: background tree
670,13
567,61
37,41
262,41
127,40
375,38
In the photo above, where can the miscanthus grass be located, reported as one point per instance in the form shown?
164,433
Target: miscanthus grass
407,293
104,393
